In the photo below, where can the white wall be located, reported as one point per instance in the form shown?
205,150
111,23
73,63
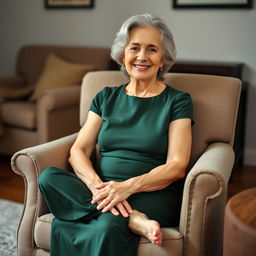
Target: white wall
220,35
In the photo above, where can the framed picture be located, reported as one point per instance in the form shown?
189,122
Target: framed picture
238,4
69,3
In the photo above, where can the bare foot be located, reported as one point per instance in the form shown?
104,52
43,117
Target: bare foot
141,225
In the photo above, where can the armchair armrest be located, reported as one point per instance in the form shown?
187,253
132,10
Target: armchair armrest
29,163
58,113
204,199
12,81
61,97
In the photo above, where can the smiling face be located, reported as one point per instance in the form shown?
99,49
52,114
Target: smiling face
143,53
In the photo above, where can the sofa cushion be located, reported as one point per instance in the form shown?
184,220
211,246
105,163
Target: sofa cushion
43,231
19,113
59,73
172,239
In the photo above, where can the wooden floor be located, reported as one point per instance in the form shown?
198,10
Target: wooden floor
12,185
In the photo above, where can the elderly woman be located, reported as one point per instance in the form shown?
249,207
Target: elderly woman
144,132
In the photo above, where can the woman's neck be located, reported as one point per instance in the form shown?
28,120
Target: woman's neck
144,88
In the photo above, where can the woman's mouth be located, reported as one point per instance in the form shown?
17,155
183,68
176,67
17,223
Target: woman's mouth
141,67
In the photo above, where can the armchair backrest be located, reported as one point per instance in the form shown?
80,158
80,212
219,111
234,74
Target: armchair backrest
31,58
215,100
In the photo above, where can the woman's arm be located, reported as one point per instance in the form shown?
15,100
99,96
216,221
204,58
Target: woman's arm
82,149
179,148
79,159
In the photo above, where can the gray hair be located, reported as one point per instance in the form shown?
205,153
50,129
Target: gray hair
144,20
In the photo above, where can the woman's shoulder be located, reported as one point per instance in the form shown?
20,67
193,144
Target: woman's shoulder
111,89
177,94
103,97
108,91
181,104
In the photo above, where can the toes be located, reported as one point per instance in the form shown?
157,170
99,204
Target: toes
156,238
157,242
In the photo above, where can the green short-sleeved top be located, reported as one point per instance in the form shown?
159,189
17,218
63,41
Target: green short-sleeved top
134,135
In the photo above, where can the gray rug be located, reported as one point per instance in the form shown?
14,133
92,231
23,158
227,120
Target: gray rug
10,213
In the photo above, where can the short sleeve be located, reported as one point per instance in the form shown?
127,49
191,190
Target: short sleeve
97,102
182,107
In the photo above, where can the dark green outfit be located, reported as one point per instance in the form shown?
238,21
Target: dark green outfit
133,140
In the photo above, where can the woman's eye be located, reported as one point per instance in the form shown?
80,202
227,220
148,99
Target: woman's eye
134,49
152,50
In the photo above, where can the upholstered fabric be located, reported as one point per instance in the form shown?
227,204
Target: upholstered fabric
204,198
201,224
11,114
43,231
14,92
214,99
172,238
56,113
58,73
31,58
12,81
12,88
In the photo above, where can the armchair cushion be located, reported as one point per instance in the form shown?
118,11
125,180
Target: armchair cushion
11,81
172,241
14,91
43,231
59,73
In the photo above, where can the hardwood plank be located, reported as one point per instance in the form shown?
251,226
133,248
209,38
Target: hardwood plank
242,178
11,185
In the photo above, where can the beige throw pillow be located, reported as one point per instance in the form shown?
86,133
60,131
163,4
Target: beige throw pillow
59,73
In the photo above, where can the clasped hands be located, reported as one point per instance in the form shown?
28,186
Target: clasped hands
111,196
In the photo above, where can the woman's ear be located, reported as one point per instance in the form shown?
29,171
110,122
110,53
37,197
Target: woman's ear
122,59
162,62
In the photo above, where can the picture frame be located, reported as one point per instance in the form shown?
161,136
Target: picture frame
212,4
53,4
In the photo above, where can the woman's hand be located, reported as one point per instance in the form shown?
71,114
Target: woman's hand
112,194
114,211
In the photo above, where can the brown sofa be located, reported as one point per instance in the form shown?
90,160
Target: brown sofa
200,230
56,113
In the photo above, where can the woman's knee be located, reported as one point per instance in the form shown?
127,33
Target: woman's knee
46,176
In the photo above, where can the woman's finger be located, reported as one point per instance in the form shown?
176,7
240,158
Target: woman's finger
127,206
122,210
104,203
98,197
101,185
119,206
114,211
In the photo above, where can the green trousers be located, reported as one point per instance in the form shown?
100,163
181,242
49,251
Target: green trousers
79,229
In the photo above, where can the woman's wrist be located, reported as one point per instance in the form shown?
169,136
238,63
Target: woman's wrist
131,186
92,184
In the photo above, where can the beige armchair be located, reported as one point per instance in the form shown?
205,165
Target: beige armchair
55,114
200,231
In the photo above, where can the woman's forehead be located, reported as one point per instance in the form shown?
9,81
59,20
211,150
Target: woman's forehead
148,35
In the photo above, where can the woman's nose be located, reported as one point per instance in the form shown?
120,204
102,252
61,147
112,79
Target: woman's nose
142,55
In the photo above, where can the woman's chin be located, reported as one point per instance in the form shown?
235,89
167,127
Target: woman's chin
141,76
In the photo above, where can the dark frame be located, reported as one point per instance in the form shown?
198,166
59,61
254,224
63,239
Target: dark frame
210,4
56,4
